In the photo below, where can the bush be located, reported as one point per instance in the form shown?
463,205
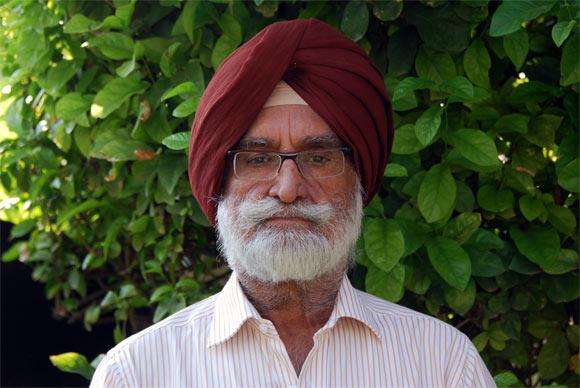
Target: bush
476,221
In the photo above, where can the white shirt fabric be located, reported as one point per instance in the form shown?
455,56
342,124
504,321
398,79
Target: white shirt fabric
223,342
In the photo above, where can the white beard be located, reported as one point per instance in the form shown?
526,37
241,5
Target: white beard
276,254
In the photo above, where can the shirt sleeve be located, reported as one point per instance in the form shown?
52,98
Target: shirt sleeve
108,375
475,373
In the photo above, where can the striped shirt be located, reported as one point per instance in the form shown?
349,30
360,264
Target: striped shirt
223,342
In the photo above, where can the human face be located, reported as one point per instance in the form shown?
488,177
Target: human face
289,228
291,128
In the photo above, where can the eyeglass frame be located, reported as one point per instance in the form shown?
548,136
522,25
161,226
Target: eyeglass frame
288,155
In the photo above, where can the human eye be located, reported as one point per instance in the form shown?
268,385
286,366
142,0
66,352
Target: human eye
258,159
318,158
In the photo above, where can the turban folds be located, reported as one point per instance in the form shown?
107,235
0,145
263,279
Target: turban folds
333,75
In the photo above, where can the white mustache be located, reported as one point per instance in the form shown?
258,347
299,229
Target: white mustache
254,212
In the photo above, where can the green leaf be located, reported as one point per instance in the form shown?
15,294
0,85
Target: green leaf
71,106
58,76
541,245
223,47
415,233
505,379
510,15
439,27
493,200
117,145
387,10
486,264
476,62
437,193
480,341
31,47
386,285
475,146
231,27
114,45
395,170
79,23
384,243
521,265
461,301
73,363
77,282
516,46
406,141
161,293
177,141
561,31
187,284
167,63
196,14
531,207
458,87
114,94
92,314
89,204
462,227
23,228
567,261
355,20
14,251
169,170
434,66
570,65
513,122
124,11
187,107
562,218
450,261
543,130
563,288
553,358
182,88
569,176
410,84
416,278
428,124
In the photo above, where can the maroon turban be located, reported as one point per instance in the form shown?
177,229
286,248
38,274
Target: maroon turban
328,70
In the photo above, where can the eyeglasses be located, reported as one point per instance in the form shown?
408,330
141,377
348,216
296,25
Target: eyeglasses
263,166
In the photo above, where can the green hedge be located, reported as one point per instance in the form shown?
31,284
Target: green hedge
476,221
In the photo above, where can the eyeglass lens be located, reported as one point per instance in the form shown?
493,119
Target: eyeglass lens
265,165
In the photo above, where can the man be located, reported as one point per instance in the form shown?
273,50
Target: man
291,138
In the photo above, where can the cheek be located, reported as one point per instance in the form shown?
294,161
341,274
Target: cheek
245,189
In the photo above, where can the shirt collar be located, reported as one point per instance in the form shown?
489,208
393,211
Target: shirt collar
350,304
232,309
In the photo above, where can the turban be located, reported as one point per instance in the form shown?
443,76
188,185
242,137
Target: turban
333,75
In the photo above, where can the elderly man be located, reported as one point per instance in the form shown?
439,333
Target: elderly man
290,140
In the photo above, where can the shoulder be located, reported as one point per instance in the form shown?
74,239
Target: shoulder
194,320
424,328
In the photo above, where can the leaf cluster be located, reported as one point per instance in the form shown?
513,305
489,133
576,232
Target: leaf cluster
476,219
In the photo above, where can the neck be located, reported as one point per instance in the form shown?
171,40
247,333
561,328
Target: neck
297,309
311,300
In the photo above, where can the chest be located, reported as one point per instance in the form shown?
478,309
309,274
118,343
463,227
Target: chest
347,355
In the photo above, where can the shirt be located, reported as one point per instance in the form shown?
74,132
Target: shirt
223,342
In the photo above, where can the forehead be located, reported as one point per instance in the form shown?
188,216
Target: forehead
289,125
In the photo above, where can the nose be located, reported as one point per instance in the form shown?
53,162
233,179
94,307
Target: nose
289,184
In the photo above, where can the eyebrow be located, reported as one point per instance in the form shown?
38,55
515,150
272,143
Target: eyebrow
309,141
251,142
322,140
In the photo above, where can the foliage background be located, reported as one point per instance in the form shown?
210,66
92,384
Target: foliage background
476,221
